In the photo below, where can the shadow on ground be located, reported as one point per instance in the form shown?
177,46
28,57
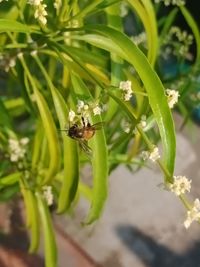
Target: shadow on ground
153,254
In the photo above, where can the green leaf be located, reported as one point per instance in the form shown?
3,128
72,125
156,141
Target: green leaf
8,192
168,21
51,134
71,166
37,144
10,179
32,216
115,21
49,127
13,26
71,162
50,249
153,86
145,12
195,29
5,119
34,222
99,158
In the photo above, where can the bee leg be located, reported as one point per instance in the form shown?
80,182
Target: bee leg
84,146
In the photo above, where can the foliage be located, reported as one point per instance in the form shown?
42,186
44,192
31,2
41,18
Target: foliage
65,60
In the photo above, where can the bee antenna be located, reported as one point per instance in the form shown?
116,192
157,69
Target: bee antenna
63,130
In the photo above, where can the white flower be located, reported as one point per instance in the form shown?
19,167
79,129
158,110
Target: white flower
80,106
127,96
145,155
125,86
172,97
48,195
180,185
57,4
123,10
140,38
127,129
34,2
17,148
193,214
86,107
20,55
143,122
71,115
41,13
24,141
11,64
33,53
171,2
97,110
154,155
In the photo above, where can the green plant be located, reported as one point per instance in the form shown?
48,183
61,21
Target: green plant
71,59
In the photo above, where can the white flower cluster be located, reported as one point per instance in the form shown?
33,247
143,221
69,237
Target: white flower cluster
3,0
181,185
17,148
178,42
140,38
83,110
71,115
125,86
143,121
40,10
11,64
171,2
153,155
48,195
193,214
123,9
172,97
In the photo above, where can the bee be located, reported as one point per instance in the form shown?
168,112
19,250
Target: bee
83,133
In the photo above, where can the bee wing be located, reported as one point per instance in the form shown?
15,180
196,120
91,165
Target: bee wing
98,125
84,146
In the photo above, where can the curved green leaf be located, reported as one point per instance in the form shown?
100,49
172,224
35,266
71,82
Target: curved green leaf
32,216
153,86
13,26
5,119
49,127
194,27
49,236
10,179
7,192
115,21
99,159
71,167
146,13
52,137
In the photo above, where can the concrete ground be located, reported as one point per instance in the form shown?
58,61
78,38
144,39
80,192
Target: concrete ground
142,224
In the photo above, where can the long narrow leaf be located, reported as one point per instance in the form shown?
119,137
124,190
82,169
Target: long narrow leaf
99,159
194,27
71,168
153,86
49,236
